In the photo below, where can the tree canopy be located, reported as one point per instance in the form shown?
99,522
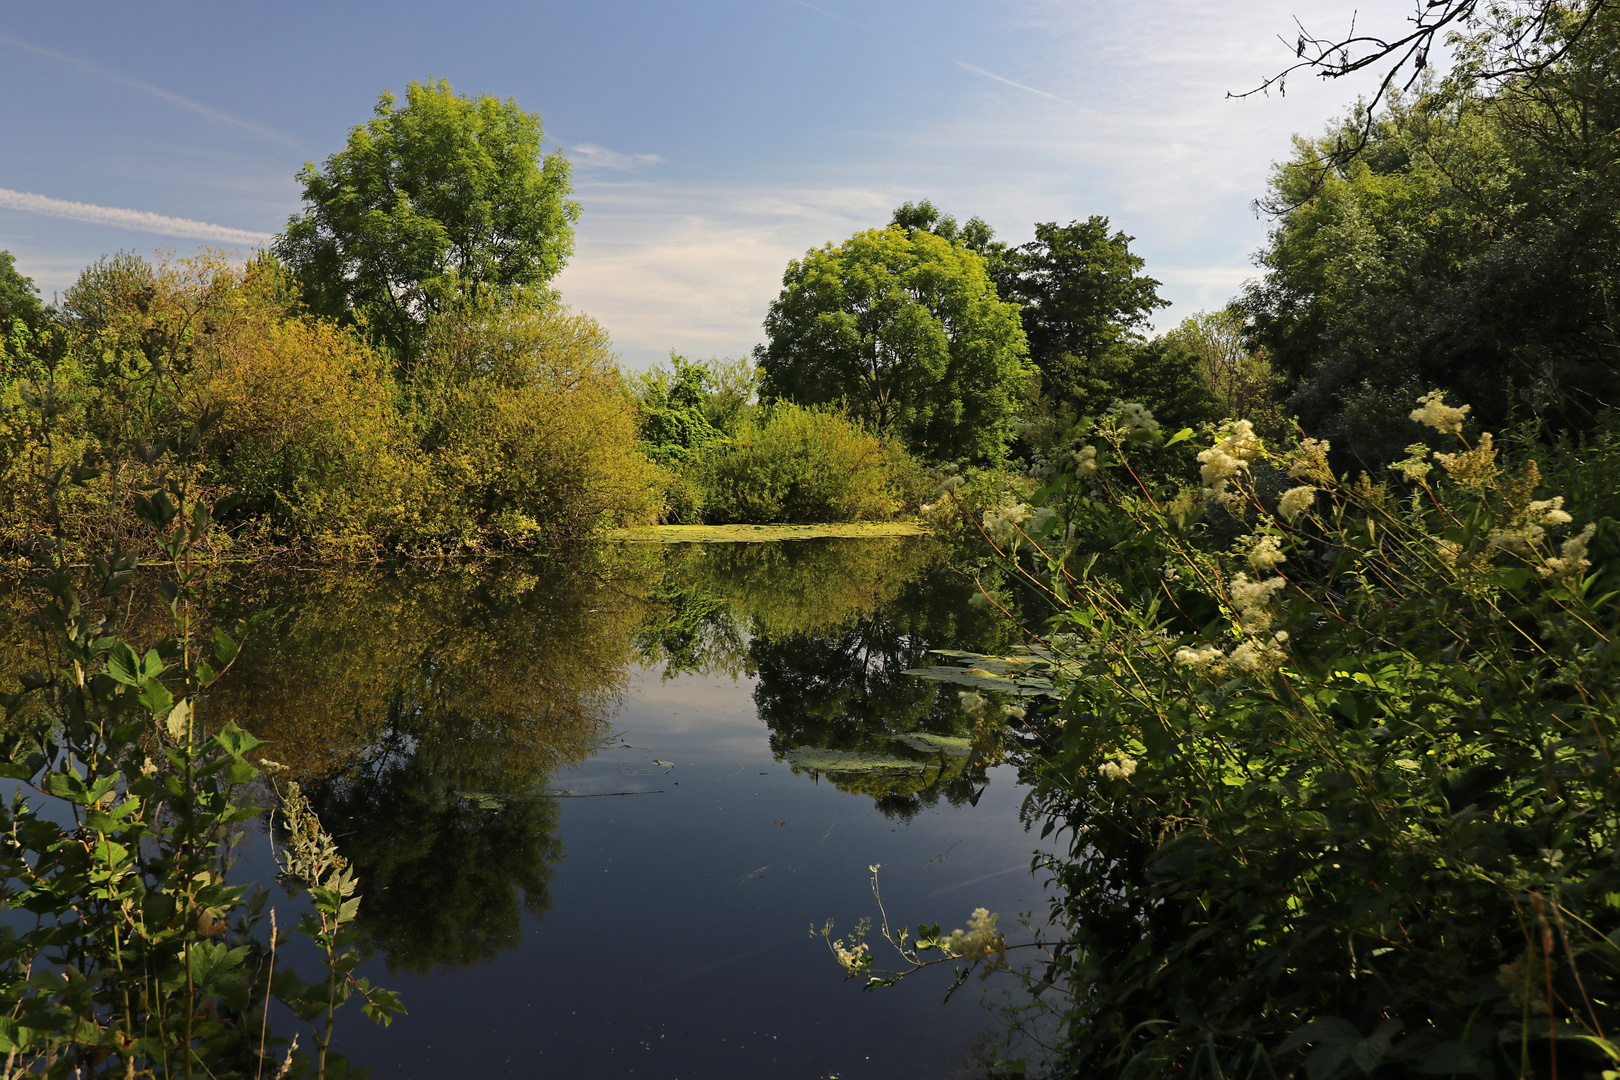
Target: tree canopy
443,195
1473,245
1083,294
906,330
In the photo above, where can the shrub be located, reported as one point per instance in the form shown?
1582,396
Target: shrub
526,430
806,465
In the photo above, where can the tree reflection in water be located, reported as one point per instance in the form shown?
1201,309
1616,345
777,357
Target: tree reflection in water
426,713
828,627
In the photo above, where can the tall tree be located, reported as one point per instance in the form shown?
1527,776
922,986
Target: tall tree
18,297
905,330
443,196
1083,296
1473,245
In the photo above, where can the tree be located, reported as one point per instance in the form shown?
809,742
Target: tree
1242,379
905,330
18,297
1471,246
445,195
974,235
1083,295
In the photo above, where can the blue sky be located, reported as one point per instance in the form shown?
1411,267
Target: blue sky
712,141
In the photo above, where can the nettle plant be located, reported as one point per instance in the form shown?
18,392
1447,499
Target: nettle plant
124,948
1332,758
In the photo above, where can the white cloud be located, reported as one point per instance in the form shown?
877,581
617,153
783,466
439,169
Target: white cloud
600,157
138,220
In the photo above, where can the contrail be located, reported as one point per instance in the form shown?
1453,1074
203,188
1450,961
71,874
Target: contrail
1021,86
830,14
139,220
974,881
157,91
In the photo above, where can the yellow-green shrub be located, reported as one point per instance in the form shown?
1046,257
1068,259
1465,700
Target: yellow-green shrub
526,430
805,465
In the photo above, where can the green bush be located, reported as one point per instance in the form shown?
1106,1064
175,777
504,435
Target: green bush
806,465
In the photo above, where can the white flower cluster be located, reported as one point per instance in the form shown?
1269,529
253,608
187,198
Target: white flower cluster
1003,522
1533,530
1296,500
1573,559
1085,461
979,940
1134,417
1229,456
1416,464
1310,462
1252,656
1200,658
972,701
1258,655
949,485
1433,411
1120,769
1266,554
852,956
1252,599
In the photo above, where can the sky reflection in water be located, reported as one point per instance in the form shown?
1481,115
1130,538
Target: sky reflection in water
662,933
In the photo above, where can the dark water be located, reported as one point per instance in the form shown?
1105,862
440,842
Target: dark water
596,809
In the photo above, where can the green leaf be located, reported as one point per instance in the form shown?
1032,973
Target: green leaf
123,665
1181,436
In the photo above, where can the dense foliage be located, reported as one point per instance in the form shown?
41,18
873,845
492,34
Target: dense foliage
1332,754
1471,245
906,331
514,429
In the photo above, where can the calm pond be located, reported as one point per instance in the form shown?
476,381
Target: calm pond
596,810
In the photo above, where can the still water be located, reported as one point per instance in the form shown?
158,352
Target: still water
596,810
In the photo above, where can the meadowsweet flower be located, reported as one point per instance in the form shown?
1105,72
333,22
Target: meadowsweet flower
1449,551
1295,500
1266,554
1310,461
1252,600
1548,511
1200,658
972,701
1118,770
1085,461
949,484
1433,411
1003,522
1137,418
1014,712
1040,519
853,956
1258,655
1573,558
1520,538
1474,468
980,940
1229,456
1416,465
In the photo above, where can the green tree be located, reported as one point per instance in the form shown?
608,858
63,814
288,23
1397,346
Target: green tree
18,297
907,332
445,195
1471,245
1083,296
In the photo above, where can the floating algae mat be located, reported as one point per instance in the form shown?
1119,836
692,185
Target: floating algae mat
732,534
